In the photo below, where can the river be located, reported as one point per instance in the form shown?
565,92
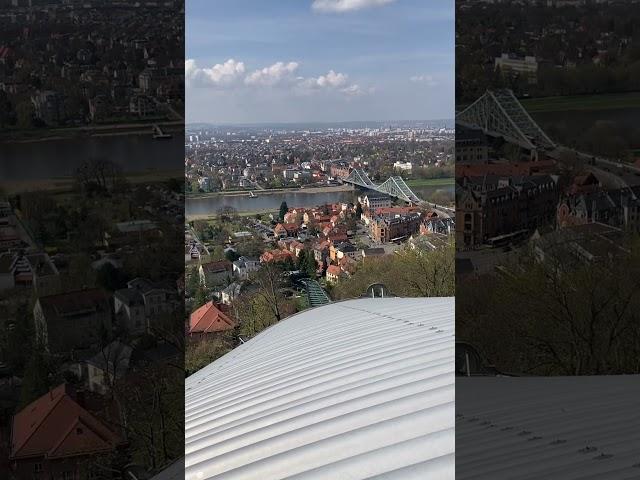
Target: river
205,206
59,158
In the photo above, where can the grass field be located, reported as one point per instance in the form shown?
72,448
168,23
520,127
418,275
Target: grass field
430,182
582,102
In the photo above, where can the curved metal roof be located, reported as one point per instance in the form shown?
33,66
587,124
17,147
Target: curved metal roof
356,389
564,428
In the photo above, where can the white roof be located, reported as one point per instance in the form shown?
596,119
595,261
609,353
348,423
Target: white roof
175,471
357,389
548,427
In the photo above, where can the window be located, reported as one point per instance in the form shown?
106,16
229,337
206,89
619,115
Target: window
37,468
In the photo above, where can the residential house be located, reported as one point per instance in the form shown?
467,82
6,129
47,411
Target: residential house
321,252
276,256
347,265
45,275
293,216
10,238
215,273
230,293
56,437
284,230
72,320
31,270
131,233
141,302
244,266
341,250
369,253
209,319
107,366
333,273
296,247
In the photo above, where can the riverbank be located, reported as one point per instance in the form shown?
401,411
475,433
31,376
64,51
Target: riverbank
64,185
214,216
272,191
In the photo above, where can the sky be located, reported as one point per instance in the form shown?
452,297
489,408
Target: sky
289,61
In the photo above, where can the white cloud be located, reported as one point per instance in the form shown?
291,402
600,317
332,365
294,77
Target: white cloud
330,80
426,79
275,74
353,90
190,68
221,74
339,6
333,81
282,75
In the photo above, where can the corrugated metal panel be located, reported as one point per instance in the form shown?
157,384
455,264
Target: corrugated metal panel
552,428
173,472
351,390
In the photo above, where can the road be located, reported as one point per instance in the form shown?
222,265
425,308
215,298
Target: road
195,237
611,172
441,211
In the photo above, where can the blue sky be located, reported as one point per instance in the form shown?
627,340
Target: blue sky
256,61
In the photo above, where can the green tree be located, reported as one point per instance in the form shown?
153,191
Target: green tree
283,210
18,342
231,255
111,278
35,382
307,263
201,297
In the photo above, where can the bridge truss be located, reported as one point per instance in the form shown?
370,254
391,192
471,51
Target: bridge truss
393,186
499,113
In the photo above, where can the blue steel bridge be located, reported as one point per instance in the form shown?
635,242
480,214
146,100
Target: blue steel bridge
394,187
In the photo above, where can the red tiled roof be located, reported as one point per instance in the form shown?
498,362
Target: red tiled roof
209,319
338,237
289,227
275,256
334,270
56,426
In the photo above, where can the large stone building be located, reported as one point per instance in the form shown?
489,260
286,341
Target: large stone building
471,146
618,208
491,209
513,65
386,228
373,200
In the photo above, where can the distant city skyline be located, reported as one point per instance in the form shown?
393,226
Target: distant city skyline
306,61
